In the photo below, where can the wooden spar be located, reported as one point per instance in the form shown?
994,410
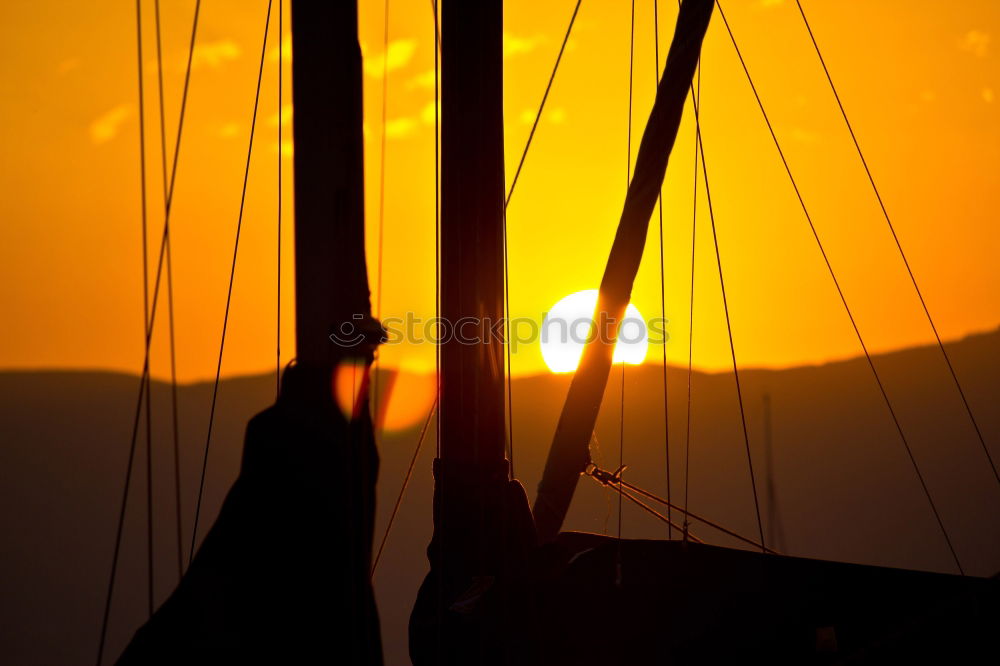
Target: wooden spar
472,195
331,277
570,453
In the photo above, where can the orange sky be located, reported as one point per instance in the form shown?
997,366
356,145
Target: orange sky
919,79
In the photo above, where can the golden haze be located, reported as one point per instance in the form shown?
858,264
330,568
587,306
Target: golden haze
920,81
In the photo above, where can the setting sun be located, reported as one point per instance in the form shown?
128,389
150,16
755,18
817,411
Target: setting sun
567,326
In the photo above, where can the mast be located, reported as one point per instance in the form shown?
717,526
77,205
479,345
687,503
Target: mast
472,177
483,531
331,277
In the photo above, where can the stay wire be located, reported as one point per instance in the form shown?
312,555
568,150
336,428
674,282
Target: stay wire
628,179
843,299
229,293
437,217
376,402
281,157
899,246
145,308
695,100
541,107
605,477
663,279
402,489
732,345
170,308
149,327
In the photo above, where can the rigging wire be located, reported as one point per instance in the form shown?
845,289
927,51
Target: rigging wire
605,477
437,314
621,413
381,210
437,219
402,489
732,346
840,292
614,482
506,266
663,280
541,107
695,101
149,332
170,306
281,158
229,293
145,315
508,379
899,246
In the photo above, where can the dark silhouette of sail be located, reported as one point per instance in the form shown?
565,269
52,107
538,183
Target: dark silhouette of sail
570,454
283,574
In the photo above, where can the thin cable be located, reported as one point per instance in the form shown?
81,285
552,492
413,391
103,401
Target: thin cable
437,220
508,378
170,306
732,346
628,179
402,489
145,325
149,332
281,157
439,481
145,309
843,299
695,101
606,478
541,107
663,279
622,493
229,293
377,430
899,246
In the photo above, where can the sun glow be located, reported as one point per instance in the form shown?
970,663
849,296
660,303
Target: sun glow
567,326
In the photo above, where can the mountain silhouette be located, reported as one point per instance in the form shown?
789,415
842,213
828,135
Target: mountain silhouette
844,486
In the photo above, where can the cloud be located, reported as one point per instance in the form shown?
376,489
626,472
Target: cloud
975,42
554,116
513,45
67,66
397,56
803,135
422,80
398,128
215,54
286,50
105,127
427,114
286,116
